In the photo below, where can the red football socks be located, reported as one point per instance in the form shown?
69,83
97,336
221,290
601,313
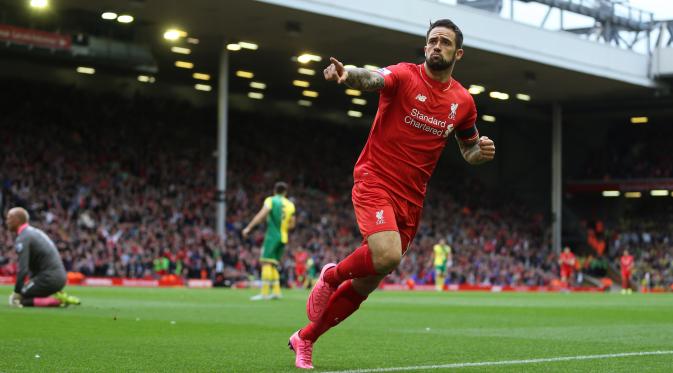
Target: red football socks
357,265
342,304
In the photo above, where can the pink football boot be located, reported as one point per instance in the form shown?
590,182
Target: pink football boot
303,350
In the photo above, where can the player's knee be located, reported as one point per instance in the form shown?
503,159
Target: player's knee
387,260
386,249
391,259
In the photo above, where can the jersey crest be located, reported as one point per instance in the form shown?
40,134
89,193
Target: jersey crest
454,108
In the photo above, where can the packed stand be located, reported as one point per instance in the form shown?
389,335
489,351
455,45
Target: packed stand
635,152
651,243
125,187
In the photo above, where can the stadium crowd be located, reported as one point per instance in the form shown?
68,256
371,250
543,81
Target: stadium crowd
651,243
635,152
125,187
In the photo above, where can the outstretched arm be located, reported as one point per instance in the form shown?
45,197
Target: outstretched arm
354,77
481,151
261,215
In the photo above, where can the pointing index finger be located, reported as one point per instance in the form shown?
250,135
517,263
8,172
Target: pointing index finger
337,64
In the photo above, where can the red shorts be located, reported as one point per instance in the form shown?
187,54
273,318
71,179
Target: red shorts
376,210
566,271
626,275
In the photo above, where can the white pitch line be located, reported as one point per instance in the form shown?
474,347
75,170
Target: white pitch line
506,362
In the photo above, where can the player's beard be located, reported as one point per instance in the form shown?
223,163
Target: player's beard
440,64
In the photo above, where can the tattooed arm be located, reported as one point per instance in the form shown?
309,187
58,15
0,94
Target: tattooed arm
363,79
353,77
483,150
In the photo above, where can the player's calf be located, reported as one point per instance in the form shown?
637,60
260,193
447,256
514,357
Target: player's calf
367,285
42,302
320,295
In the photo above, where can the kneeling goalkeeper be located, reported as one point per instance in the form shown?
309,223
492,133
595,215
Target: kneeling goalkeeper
38,257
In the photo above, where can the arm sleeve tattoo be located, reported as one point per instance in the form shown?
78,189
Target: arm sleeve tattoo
471,152
364,79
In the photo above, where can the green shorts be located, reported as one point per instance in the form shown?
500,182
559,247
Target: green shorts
440,269
272,250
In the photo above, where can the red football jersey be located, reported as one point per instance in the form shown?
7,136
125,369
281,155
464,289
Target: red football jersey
416,116
300,258
567,259
626,262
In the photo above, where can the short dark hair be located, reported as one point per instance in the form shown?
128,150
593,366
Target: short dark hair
280,187
451,26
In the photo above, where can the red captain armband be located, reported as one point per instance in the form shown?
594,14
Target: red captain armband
468,135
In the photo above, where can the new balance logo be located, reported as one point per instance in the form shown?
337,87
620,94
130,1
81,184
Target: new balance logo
379,217
421,98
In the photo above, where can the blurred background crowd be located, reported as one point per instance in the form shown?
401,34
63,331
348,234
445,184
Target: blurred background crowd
126,186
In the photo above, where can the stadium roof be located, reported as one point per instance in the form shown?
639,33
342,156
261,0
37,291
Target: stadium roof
283,33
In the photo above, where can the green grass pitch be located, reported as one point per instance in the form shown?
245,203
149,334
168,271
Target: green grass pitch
206,330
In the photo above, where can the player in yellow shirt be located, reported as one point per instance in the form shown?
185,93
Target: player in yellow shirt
443,260
279,214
